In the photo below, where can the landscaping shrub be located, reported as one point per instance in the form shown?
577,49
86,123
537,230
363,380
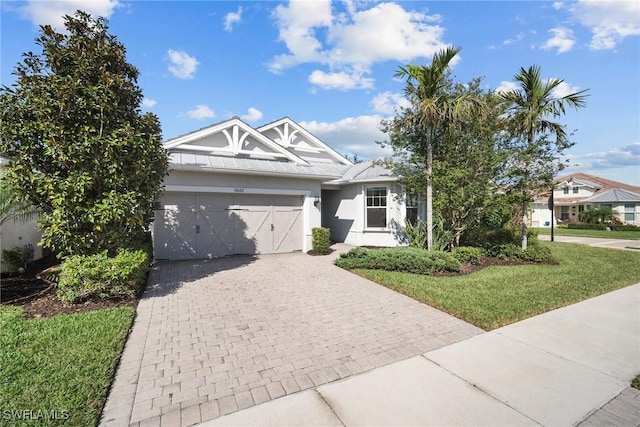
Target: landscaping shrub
488,237
468,254
585,226
409,260
625,227
321,240
534,253
83,277
16,259
417,234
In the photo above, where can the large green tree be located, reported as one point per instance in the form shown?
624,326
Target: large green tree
80,149
537,140
467,157
413,133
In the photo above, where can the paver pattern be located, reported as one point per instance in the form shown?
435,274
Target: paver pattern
622,411
216,336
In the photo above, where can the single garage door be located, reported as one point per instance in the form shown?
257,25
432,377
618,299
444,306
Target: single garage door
208,225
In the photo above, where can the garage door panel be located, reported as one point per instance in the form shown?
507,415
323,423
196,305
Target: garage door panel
216,234
254,234
207,225
174,228
287,229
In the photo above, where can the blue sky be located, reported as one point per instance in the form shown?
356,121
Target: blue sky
330,65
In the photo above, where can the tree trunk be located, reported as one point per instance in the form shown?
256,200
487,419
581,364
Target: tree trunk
525,219
429,196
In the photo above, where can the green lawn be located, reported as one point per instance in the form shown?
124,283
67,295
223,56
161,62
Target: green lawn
60,366
497,296
625,235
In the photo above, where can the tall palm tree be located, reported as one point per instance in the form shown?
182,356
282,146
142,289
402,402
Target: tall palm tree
533,105
434,108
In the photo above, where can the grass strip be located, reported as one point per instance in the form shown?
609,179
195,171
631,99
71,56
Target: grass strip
500,295
57,371
603,234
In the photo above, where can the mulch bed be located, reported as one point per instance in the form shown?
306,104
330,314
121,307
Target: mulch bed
38,297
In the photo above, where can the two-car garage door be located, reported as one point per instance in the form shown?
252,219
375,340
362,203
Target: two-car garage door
207,225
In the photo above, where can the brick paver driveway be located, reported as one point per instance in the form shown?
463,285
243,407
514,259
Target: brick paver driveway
213,337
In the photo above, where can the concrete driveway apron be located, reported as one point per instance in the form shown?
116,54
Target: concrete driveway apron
216,336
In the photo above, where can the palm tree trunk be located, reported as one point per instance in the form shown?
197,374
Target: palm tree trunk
525,219
429,196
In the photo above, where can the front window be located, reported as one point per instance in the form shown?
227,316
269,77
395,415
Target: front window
412,210
564,213
565,190
376,207
630,213
575,190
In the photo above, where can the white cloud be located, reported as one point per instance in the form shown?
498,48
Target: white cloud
565,89
558,5
617,157
183,66
352,135
385,32
297,25
562,40
389,103
252,115
350,43
562,90
341,80
232,18
146,102
201,112
507,86
51,12
609,21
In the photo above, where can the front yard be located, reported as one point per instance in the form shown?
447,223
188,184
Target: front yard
57,370
499,295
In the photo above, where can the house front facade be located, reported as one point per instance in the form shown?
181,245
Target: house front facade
578,192
234,189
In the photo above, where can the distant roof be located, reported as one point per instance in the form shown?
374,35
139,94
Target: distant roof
597,182
613,195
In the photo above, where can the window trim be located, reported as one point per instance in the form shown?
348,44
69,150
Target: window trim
366,208
631,212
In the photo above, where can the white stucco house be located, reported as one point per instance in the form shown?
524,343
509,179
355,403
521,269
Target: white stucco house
578,192
14,232
235,189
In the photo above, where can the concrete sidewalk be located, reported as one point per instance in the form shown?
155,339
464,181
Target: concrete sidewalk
555,369
596,241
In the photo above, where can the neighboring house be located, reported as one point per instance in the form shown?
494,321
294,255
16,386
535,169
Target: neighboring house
579,191
19,233
234,189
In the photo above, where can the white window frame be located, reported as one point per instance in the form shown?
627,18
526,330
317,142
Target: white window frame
366,207
575,190
630,209
565,189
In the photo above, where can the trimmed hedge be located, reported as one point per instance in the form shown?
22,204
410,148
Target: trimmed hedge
614,227
409,260
534,253
321,239
83,277
468,254
586,226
